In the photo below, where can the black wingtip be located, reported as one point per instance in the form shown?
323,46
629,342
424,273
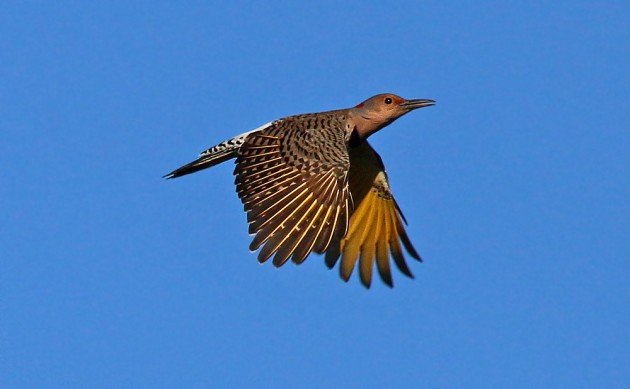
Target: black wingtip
387,279
414,254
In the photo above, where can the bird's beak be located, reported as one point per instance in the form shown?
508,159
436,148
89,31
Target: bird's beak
417,103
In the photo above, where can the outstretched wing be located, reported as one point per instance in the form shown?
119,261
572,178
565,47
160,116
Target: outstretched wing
376,224
293,182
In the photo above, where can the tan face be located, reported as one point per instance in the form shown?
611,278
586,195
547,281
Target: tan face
383,106
380,110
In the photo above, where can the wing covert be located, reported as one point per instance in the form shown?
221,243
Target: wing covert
292,179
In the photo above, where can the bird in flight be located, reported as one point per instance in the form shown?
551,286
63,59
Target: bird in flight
312,183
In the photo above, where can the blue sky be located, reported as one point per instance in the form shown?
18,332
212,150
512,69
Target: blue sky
515,186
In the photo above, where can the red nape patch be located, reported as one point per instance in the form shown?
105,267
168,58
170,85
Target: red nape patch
360,105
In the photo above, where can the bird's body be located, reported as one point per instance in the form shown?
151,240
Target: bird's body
312,183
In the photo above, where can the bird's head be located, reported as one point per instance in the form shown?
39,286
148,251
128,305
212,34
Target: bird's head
380,110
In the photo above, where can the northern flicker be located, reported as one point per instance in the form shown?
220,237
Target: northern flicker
312,183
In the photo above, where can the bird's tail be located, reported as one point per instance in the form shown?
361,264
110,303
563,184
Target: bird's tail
222,152
206,159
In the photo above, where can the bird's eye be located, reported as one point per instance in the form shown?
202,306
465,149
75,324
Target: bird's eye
388,100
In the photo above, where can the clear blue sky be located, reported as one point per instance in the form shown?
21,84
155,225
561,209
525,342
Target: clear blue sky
515,185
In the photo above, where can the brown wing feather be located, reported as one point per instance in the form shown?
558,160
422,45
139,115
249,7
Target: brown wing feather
376,224
292,181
